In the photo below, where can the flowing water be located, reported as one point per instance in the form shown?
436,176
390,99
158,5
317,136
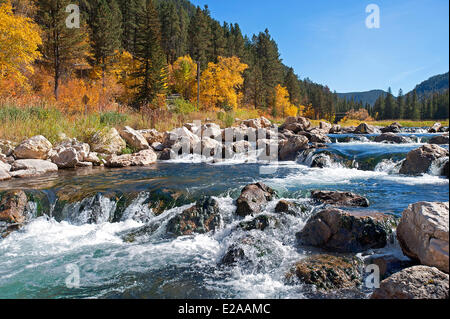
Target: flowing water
79,219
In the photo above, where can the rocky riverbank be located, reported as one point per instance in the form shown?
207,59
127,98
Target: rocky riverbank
128,147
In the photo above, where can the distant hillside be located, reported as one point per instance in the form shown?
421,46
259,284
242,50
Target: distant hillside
435,84
364,97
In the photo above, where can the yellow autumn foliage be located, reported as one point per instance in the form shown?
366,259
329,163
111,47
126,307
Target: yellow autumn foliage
221,82
183,76
19,41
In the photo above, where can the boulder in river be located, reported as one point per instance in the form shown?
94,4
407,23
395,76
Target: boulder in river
393,128
365,128
439,140
423,234
392,138
296,124
435,128
253,198
12,211
327,272
419,161
260,223
340,231
4,175
290,149
134,138
285,206
107,142
66,158
7,147
340,198
200,218
36,147
417,282
152,136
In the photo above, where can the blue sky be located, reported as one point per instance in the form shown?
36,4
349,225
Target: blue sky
328,41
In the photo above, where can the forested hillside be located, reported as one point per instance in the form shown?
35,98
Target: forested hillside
138,53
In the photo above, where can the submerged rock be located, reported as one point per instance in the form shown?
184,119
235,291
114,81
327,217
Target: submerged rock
4,175
389,264
259,223
340,231
36,147
424,235
419,161
253,198
417,282
285,206
200,218
327,272
340,198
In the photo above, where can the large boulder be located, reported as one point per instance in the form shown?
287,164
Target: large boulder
36,147
365,128
419,161
253,198
259,123
66,158
107,142
393,128
296,124
182,140
211,130
143,158
200,218
325,127
327,272
417,282
32,167
340,198
12,211
211,147
392,138
435,128
134,138
152,136
290,149
440,139
340,231
423,234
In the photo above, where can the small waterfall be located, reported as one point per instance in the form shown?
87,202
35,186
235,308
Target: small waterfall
388,166
437,166
139,209
92,210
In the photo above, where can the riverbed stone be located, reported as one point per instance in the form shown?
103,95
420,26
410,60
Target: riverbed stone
439,140
419,161
142,158
253,198
12,206
392,128
347,232
417,282
392,138
66,158
36,147
327,272
423,233
340,198
365,128
7,147
290,150
284,206
133,138
152,136
107,142
4,175
435,128
32,167
200,218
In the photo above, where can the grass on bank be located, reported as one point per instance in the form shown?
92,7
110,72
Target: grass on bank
20,122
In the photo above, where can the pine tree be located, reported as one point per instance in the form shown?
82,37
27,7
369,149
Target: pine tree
415,107
106,31
389,105
400,105
199,37
171,30
292,84
152,61
63,47
218,41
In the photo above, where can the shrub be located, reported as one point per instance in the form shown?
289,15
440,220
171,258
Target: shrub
184,107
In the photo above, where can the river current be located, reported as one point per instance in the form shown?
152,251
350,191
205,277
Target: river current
79,219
